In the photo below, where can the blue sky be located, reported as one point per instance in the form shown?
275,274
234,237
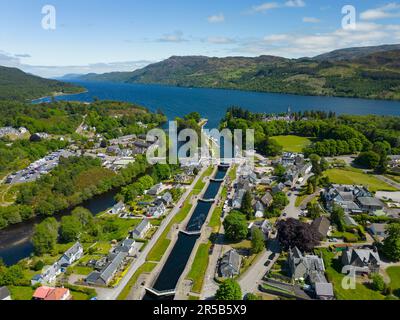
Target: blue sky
121,35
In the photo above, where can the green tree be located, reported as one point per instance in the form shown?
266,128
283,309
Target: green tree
235,226
280,201
391,245
247,207
83,215
229,290
45,236
280,171
70,228
378,284
316,165
257,241
369,159
337,217
251,297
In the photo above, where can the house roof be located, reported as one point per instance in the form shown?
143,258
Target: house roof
109,271
378,227
42,292
349,221
57,294
73,250
324,289
232,259
370,201
322,225
4,293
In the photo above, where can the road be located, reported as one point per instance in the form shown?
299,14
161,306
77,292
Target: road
112,294
388,181
291,210
251,279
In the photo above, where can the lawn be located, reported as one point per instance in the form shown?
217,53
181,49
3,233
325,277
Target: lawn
21,293
292,143
162,244
357,177
394,274
215,220
199,267
145,268
362,292
82,271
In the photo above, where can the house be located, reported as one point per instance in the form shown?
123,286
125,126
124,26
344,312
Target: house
127,246
156,211
304,266
230,264
71,255
155,190
39,136
49,275
118,208
104,277
278,188
259,210
5,294
166,199
267,199
266,228
238,198
378,230
362,260
52,294
370,204
141,230
322,225
345,196
349,221
324,291
114,150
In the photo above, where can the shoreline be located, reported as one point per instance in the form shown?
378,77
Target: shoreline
59,94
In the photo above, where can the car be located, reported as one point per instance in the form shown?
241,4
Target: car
284,214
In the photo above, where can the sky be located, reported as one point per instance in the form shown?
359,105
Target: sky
123,35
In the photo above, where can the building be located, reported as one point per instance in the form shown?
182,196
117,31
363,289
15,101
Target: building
370,204
166,199
278,188
71,255
105,276
5,294
345,196
378,230
238,198
48,276
156,210
304,266
118,208
259,209
322,225
52,294
155,190
362,260
230,264
127,246
324,291
267,199
141,230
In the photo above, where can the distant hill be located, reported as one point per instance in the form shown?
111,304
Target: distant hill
18,85
354,53
371,72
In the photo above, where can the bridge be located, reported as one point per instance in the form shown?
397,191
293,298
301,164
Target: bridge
191,233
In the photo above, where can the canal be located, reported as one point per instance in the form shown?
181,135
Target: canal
15,241
176,263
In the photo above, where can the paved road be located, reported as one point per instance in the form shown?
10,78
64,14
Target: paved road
252,278
112,294
291,210
389,181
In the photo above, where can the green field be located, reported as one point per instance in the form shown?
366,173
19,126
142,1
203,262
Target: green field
394,274
357,177
292,143
21,293
199,267
145,268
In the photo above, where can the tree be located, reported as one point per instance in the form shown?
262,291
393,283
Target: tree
279,171
257,241
251,297
84,216
314,210
70,229
45,236
229,290
269,147
368,159
247,207
337,217
324,164
316,166
293,233
280,200
391,245
378,284
235,226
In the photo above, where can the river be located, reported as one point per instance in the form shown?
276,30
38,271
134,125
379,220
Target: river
15,241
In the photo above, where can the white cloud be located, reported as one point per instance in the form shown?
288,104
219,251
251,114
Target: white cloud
295,3
216,18
266,6
311,20
177,36
384,12
276,37
220,40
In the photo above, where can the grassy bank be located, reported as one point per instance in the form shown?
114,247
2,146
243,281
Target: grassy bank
199,267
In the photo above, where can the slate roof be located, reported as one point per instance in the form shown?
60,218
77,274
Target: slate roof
322,226
4,293
324,289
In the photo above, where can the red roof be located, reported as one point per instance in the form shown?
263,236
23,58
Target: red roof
42,292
